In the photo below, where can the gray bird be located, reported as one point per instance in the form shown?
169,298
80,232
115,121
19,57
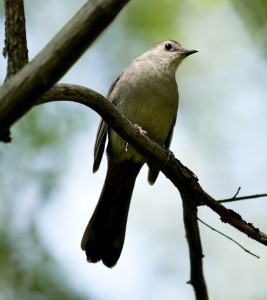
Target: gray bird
147,94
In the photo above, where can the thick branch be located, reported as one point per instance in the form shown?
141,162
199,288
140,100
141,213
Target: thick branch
181,177
197,279
20,92
15,36
15,42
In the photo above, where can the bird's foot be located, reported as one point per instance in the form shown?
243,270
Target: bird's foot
141,131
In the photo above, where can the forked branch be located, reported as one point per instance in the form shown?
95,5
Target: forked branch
181,176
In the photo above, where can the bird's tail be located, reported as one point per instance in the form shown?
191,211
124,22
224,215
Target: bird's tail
104,235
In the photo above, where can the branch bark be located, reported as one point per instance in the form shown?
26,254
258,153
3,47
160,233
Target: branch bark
15,37
15,43
185,180
20,92
197,279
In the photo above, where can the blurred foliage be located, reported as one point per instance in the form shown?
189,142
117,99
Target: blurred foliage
160,19
254,17
150,16
38,154
27,270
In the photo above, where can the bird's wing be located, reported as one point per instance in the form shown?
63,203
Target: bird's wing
153,172
100,142
169,137
102,130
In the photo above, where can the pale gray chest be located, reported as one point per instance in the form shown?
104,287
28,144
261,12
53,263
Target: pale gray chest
148,100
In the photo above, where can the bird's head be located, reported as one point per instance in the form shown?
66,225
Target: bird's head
169,53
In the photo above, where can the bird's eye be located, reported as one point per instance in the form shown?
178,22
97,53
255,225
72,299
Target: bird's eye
168,46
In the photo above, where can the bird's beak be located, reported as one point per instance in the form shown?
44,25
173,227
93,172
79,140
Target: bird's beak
186,52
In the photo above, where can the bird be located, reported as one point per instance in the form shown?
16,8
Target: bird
146,93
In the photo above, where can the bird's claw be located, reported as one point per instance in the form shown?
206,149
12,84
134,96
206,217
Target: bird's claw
141,131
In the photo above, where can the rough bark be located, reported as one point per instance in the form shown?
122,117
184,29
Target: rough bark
20,92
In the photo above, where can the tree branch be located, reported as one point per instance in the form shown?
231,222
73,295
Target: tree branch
15,43
20,92
15,36
197,279
181,176
242,198
229,238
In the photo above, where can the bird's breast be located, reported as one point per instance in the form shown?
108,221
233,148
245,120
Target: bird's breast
151,103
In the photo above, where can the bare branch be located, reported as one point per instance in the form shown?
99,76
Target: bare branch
197,279
15,36
237,192
235,198
228,237
181,176
20,92
242,198
15,43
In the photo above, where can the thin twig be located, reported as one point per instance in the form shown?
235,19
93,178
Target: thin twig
238,190
228,237
242,198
